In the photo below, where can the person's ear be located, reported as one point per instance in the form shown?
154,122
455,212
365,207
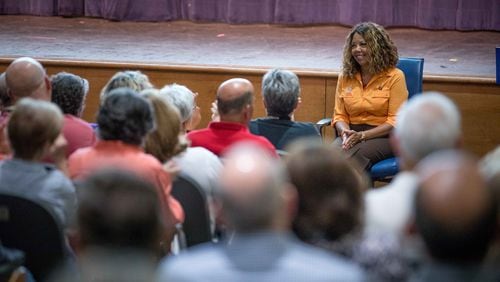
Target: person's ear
12,97
297,104
247,112
48,88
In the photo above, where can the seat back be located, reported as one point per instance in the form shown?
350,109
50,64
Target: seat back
413,68
31,228
192,197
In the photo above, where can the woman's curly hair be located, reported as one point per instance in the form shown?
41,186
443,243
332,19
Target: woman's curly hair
384,54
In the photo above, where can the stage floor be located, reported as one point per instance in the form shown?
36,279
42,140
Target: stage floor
315,48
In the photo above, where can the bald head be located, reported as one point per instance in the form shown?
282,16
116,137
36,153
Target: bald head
235,99
252,188
455,212
26,77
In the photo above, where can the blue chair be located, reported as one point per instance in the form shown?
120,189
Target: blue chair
413,68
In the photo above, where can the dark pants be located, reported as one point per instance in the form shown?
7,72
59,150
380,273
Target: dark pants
370,151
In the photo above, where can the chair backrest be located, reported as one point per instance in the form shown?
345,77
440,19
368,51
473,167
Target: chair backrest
31,228
413,68
191,196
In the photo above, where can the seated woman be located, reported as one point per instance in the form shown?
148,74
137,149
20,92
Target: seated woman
370,90
124,120
69,92
134,80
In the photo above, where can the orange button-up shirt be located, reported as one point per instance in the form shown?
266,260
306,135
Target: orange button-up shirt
375,104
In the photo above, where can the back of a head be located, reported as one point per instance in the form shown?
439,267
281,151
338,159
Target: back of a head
69,92
134,80
181,97
163,142
281,91
118,209
32,125
233,96
455,211
125,116
425,124
252,184
330,191
26,77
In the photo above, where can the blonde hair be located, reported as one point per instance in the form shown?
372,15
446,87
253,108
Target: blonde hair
384,54
164,141
134,80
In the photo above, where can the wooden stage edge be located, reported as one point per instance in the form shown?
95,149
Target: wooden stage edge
478,98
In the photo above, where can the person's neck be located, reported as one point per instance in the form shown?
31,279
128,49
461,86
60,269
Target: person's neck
279,117
37,158
233,118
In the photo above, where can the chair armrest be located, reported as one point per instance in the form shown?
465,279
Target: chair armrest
322,123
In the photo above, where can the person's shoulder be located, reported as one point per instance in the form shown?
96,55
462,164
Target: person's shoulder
207,258
325,263
306,127
202,154
394,71
76,122
81,152
197,133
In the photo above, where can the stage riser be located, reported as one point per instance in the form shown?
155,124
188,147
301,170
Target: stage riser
477,99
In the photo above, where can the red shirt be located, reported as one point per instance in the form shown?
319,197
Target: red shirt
219,136
116,154
78,133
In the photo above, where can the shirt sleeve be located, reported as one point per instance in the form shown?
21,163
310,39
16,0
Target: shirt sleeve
399,94
339,111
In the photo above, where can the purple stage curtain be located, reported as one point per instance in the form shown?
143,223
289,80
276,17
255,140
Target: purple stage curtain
29,7
229,11
133,10
429,14
71,8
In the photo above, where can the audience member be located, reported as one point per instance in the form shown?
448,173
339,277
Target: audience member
455,214
5,104
197,162
425,124
493,258
163,142
235,98
24,77
134,80
330,213
370,90
34,132
5,100
281,97
258,204
124,120
69,92
119,227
